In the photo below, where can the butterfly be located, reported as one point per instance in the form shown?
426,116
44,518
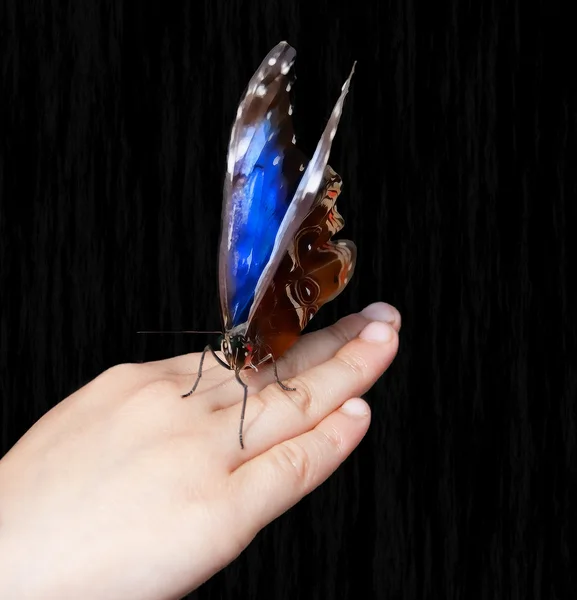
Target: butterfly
277,264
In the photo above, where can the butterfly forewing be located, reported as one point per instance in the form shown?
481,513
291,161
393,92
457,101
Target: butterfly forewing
262,176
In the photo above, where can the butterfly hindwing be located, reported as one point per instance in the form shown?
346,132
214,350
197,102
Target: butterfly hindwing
313,271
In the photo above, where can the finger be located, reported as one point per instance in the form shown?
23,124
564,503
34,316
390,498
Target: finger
275,415
313,349
317,347
381,311
268,485
218,387
310,344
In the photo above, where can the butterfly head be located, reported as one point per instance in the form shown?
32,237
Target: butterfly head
237,351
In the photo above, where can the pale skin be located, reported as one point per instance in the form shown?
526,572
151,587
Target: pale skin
126,490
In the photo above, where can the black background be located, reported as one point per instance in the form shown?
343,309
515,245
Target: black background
457,148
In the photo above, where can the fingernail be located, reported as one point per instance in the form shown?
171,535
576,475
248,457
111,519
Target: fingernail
355,407
377,332
380,311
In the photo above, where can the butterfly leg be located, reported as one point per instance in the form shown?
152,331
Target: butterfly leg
206,349
242,410
279,382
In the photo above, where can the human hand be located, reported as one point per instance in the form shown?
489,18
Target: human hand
126,490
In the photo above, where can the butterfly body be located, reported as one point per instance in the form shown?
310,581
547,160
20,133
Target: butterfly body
237,350
277,263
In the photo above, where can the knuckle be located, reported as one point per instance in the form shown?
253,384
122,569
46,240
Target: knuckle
123,370
333,439
257,404
352,363
121,376
300,397
344,331
293,461
161,386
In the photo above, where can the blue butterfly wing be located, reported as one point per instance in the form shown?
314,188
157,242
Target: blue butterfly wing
267,191
262,175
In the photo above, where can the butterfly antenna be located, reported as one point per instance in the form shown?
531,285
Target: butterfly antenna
174,332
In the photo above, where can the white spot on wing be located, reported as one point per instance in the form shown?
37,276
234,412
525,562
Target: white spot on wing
296,304
276,161
290,110
314,182
230,163
288,87
242,147
272,61
260,90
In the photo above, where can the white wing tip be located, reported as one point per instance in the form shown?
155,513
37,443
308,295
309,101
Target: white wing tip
347,83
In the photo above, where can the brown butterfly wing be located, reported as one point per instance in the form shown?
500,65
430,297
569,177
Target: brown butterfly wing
313,271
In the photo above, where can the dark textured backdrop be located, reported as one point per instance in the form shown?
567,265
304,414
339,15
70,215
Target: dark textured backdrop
457,149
